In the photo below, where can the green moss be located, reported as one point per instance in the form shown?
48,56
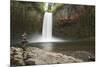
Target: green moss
39,7
57,7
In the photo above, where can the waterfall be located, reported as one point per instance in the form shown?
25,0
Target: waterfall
47,26
46,29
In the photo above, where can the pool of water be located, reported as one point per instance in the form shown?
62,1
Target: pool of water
78,49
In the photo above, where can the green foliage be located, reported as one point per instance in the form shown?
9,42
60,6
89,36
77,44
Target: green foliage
39,7
57,7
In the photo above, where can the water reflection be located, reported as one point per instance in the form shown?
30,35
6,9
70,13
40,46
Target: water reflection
47,46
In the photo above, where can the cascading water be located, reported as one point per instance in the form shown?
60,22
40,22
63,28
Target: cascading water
47,26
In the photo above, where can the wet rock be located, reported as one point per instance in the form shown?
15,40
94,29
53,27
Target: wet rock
17,56
40,56
84,55
90,58
18,62
30,61
36,56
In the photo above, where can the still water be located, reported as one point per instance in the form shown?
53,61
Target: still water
77,49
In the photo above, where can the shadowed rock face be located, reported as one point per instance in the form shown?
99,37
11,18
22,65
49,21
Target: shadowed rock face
36,56
77,21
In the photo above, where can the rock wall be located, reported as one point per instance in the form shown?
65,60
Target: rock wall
25,17
74,21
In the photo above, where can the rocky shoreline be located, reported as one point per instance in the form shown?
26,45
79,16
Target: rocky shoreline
36,56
